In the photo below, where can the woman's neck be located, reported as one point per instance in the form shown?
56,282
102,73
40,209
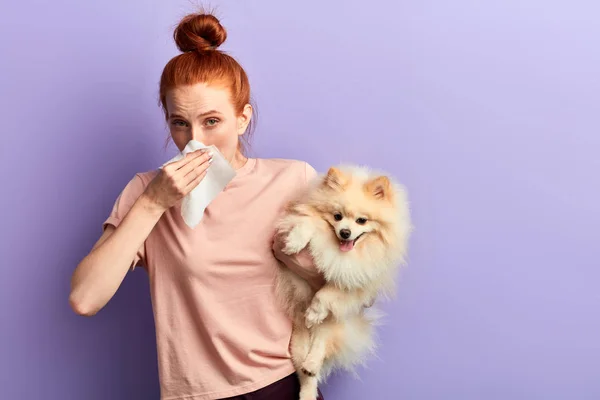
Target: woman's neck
239,160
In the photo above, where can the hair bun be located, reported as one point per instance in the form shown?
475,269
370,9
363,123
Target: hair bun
200,32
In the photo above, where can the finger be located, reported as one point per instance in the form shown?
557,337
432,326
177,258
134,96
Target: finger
193,166
192,155
199,170
196,181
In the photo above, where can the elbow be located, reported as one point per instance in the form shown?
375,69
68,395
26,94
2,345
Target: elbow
82,307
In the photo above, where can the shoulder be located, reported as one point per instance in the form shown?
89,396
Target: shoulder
137,184
300,171
128,196
146,177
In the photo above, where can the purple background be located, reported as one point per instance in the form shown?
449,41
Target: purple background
489,112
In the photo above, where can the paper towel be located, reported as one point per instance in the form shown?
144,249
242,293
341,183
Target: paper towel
219,174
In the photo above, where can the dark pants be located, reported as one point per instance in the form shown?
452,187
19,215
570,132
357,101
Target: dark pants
287,388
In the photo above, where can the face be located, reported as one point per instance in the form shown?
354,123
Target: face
354,209
349,224
205,113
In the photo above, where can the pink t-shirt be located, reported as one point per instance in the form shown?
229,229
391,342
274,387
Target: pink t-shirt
219,330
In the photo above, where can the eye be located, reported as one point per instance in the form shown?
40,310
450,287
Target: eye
361,221
179,123
211,122
338,216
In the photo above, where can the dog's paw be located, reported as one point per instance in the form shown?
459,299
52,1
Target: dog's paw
315,314
296,240
292,248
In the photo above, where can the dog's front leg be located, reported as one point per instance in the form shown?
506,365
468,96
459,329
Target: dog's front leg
298,237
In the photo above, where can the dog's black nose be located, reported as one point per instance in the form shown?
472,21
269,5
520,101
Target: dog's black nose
345,233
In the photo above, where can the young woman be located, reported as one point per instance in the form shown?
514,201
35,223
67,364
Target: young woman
220,333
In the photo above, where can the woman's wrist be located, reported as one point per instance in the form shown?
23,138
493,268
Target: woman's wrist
149,206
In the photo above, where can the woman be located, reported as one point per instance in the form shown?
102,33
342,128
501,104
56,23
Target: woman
220,333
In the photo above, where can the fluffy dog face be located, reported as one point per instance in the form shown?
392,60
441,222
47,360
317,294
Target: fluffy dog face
357,208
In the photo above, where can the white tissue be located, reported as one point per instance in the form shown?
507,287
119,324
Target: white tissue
219,174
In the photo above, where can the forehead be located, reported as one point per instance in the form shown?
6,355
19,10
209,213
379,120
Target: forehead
198,98
352,201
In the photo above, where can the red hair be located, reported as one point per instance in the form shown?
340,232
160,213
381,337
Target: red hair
198,37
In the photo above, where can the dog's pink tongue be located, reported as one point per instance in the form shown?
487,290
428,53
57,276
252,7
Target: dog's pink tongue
346,245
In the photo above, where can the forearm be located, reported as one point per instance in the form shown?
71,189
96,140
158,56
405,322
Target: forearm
100,273
301,263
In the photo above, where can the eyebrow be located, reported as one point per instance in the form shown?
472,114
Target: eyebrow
204,114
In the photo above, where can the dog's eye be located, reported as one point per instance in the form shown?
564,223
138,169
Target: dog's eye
337,216
361,221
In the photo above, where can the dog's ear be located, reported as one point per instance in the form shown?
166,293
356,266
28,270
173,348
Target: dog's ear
335,179
380,188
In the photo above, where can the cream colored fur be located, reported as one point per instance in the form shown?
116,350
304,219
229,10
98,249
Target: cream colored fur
332,328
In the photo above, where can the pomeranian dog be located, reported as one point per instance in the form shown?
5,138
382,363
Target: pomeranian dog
356,224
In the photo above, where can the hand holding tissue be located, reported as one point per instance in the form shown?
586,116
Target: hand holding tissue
218,175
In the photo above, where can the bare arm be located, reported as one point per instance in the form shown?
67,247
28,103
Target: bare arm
301,264
100,273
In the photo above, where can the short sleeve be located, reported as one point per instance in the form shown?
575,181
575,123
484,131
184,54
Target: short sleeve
310,173
126,199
